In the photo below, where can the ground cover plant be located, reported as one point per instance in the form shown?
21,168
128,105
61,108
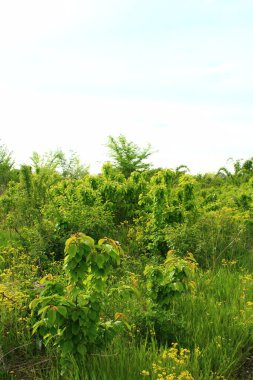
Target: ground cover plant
133,273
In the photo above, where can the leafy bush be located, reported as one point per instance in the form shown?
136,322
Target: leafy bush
71,316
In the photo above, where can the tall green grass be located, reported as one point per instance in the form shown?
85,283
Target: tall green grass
217,318
7,238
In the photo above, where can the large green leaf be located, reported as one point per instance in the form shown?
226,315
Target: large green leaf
81,349
75,328
75,315
63,311
51,316
67,346
100,260
72,249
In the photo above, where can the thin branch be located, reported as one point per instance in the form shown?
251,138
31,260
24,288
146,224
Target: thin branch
104,355
14,349
25,365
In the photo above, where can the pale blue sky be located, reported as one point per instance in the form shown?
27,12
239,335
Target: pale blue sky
175,74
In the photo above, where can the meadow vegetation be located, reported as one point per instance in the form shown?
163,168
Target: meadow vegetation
133,273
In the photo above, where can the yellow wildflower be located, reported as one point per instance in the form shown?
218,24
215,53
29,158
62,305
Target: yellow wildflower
145,373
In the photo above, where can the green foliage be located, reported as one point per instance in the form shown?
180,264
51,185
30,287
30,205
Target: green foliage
169,278
127,156
68,167
163,284
216,235
72,318
81,302
7,171
2,263
169,201
243,171
44,208
75,206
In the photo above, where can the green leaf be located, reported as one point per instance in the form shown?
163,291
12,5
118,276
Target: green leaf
37,325
2,263
96,306
81,349
102,241
177,286
105,246
48,337
51,316
72,249
92,332
128,326
93,316
67,346
75,328
75,316
87,240
100,260
81,269
99,284
34,303
43,310
63,311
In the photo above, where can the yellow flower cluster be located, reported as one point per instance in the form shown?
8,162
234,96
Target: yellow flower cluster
184,375
172,364
145,373
246,278
228,263
179,356
10,297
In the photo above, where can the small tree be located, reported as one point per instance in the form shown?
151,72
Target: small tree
127,156
6,167
71,316
58,162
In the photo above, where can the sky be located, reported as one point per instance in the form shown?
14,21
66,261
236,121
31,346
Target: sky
175,74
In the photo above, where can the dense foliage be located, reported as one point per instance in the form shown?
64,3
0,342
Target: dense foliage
168,293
